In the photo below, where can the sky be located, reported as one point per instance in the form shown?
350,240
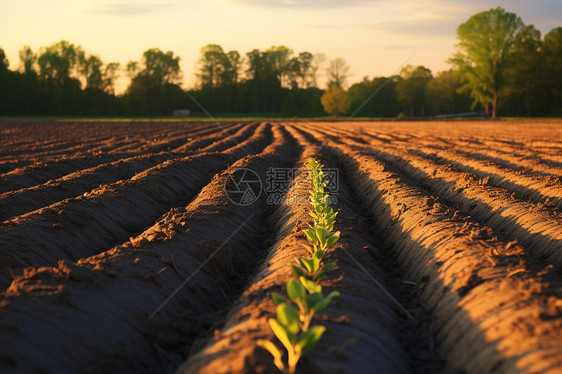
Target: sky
375,37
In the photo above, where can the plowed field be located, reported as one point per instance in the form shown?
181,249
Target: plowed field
123,247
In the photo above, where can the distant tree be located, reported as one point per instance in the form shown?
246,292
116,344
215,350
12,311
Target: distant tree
485,50
131,69
263,86
443,96
411,88
335,100
305,60
315,66
154,89
338,72
383,104
214,66
91,70
60,62
4,63
277,58
294,73
97,75
552,57
110,75
28,59
524,92
235,64
161,66
5,85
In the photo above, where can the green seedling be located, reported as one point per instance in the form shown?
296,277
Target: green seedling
287,327
312,268
320,238
293,325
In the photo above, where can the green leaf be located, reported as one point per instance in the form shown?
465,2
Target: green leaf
297,270
295,290
329,266
305,264
319,276
308,248
312,299
333,239
281,333
277,298
325,301
319,208
322,235
319,254
308,340
288,317
310,235
312,265
275,352
310,285
331,215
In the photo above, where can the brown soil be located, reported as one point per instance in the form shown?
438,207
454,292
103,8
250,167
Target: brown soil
120,252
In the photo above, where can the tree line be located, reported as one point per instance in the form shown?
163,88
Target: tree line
501,66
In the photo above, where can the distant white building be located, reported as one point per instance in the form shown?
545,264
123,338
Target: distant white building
182,112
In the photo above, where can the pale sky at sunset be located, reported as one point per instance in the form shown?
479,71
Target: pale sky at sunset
373,36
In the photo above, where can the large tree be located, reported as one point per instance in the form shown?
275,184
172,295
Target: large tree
485,50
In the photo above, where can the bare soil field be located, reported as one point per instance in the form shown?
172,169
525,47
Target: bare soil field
121,250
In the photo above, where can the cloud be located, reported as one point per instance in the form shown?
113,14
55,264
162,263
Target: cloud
426,27
309,4
127,8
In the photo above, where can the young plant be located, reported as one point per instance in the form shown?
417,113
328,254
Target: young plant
293,324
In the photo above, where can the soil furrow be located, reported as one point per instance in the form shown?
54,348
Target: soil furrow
531,186
110,297
537,228
85,225
71,185
230,138
515,161
210,135
492,305
356,340
41,172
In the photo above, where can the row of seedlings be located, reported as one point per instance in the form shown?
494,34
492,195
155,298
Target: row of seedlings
304,294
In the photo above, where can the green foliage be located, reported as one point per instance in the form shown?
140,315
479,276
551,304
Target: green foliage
485,45
335,101
60,62
411,88
497,56
338,72
443,96
293,325
552,57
